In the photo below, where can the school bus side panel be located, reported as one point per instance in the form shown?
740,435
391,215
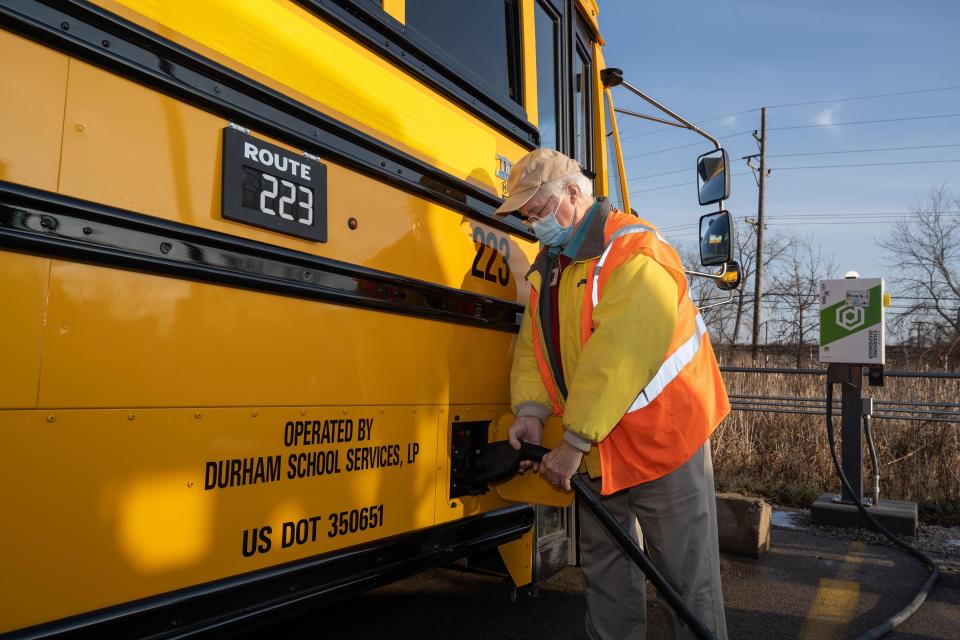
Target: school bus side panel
31,115
290,49
164,160
144,501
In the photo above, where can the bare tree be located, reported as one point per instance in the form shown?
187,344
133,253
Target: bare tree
795,288
925,249
746,240
704,293
727,322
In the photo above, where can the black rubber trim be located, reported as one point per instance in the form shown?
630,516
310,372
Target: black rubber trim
416,55
248,598
50,224
99,37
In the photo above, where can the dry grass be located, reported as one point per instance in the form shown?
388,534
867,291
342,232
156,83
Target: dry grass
785,457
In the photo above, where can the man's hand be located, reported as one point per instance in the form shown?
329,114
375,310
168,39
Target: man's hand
558,466
525,429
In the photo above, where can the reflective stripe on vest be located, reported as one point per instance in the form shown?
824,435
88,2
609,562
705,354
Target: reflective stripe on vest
622,231
680,358
671,367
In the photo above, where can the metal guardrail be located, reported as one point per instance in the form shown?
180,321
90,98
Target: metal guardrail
909,410
823,372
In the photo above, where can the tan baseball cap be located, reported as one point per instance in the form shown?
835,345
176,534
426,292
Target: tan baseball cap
531,171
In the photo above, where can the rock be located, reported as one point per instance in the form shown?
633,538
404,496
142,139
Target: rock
743,524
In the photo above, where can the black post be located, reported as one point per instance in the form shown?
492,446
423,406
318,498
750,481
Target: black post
851,430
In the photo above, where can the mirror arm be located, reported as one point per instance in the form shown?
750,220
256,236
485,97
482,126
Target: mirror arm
651,118
717,304
712,276
685,123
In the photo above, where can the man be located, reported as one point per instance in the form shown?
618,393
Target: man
612,342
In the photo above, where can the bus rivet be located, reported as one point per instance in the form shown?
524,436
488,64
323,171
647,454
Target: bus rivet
254,414
345,412
352,223
106,43
303,413
381,411
414,410
190,484
130,416
80,127
51,418
165,247
87,231
65,26
217,89
307,275
198,415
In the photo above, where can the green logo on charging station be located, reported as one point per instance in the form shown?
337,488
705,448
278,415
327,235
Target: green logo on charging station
850,316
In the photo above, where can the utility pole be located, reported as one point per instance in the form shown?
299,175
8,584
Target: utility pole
758,268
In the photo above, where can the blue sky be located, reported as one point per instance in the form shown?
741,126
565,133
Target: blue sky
707,59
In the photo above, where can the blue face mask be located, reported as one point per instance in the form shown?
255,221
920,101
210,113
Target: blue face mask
549,231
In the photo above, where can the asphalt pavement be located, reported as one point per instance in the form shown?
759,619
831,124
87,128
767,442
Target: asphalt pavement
810,585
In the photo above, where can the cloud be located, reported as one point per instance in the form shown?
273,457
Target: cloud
729,121
826,117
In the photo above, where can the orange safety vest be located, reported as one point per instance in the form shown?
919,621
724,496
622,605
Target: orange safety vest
675,413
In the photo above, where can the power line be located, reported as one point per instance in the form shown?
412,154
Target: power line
788,155
683,184
665,173
818,218
828,215
825,153
866,216
859,214
863,164
867,97
698,122
802,126
844,124
684,146
803,104
849,222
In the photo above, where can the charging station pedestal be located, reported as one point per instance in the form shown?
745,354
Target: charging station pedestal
852,338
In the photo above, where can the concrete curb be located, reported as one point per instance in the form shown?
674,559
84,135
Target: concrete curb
743,524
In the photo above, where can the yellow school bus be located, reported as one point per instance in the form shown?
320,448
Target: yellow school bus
257,312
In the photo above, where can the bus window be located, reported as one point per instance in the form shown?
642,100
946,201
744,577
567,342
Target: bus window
614,189
481,35
547,21
582,100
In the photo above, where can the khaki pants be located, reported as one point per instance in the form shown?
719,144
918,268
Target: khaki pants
678,520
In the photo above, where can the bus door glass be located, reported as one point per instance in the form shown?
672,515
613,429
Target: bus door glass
582,102
548,19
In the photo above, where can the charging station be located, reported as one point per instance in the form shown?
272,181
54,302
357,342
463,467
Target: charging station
852,342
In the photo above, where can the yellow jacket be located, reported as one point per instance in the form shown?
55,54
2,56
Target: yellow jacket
633,325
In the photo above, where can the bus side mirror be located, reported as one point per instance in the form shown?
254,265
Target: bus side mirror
713,179
716,239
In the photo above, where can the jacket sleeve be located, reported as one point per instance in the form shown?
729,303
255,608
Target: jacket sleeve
634,324
528,396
